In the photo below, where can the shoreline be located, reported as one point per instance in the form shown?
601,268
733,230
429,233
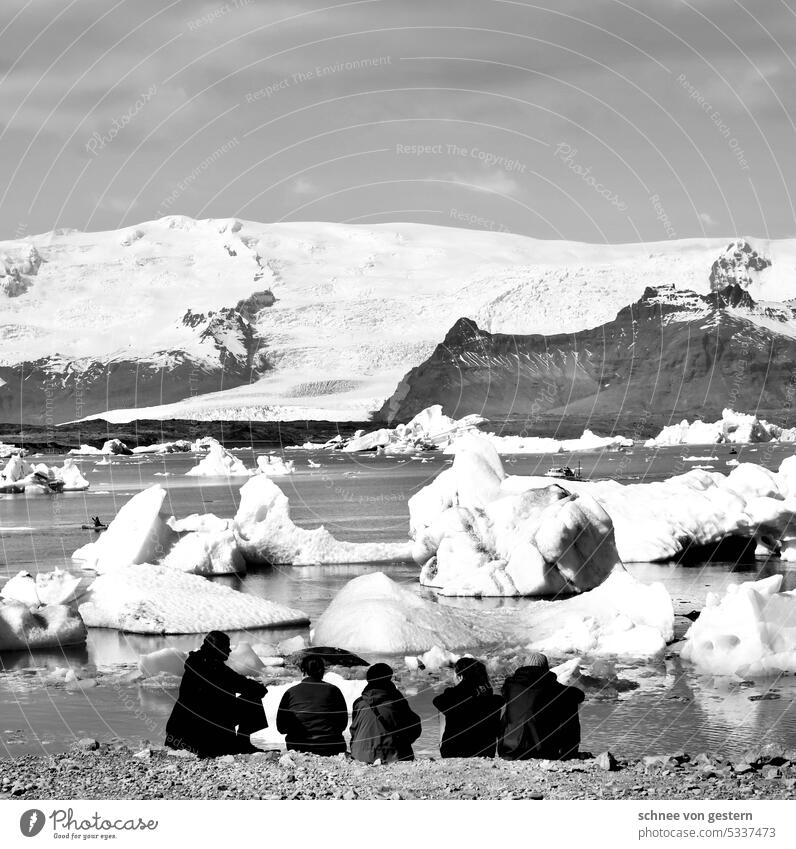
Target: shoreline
92,770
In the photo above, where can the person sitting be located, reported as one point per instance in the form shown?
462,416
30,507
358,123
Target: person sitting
313,714
216,709
472,713
383,726
541,715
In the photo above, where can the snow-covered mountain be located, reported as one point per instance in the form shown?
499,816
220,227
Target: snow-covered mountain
672,353
234,319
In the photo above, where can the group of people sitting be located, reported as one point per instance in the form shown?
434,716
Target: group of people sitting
217,709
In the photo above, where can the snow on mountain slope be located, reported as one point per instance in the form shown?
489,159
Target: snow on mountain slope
355,306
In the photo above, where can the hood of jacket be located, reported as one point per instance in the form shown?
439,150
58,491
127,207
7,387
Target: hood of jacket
533,676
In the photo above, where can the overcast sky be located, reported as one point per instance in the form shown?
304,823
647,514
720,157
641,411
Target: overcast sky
598,120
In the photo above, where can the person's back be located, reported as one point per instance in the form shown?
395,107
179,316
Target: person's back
472,713
383,726
541,715
207,710
313,714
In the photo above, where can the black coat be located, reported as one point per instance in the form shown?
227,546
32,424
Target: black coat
472,721
313,715
383,726
541,716
207,710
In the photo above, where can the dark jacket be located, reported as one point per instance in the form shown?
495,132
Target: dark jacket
472,721
207,710
383,726
541,716
313,715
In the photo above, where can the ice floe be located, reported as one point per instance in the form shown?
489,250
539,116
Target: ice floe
275,466
219,463
265,534
20,476
179,445
25,627
749,631
148,599
56,587
473,537
732,427
589,441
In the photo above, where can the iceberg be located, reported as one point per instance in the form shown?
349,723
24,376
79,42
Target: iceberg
372,613
429,429
164,447
622,616
732,427
473,537
219,463
70,475
588,441
138,534
85,450
168,661
23,627
46,588
206,553
266,534
271,464
147,599
749,631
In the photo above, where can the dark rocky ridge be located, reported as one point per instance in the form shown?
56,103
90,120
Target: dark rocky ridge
672,354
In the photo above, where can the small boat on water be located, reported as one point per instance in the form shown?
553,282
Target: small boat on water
96,525
564,473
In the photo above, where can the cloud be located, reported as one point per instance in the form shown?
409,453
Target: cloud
707,219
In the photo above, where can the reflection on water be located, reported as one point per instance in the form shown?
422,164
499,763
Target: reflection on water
364,499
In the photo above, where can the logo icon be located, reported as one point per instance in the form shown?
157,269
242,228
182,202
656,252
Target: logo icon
31,822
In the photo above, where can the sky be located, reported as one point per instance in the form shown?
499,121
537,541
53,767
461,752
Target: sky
601,120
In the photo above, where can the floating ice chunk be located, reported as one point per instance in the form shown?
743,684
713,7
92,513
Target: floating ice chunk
16,469
23,627
150,599
244,660
475,537
437,658
291,645
71,476
164,447
219,463
138,534
266,534
206,553
115,446
164,661
204,443
589,441
56,587
205,522
732,427
271,464
751,630
85,450
372,613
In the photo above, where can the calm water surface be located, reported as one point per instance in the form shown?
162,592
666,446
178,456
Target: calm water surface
651,707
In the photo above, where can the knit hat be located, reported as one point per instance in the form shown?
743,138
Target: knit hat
537,659
379,672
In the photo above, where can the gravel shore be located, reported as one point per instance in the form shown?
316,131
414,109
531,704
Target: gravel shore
93,770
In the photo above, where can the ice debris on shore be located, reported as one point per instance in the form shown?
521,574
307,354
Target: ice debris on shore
732,427
474,537
749,631
147,599
266,534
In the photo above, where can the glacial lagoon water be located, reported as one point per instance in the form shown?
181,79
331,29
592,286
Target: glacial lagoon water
656,707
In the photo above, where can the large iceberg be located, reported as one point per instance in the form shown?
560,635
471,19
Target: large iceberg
206,553
588,441
430,428
56,587
175,447
219,463
20,476
148,599
138,534
473,536
266,534
24,627
732,427
622,616
372,613
749,631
